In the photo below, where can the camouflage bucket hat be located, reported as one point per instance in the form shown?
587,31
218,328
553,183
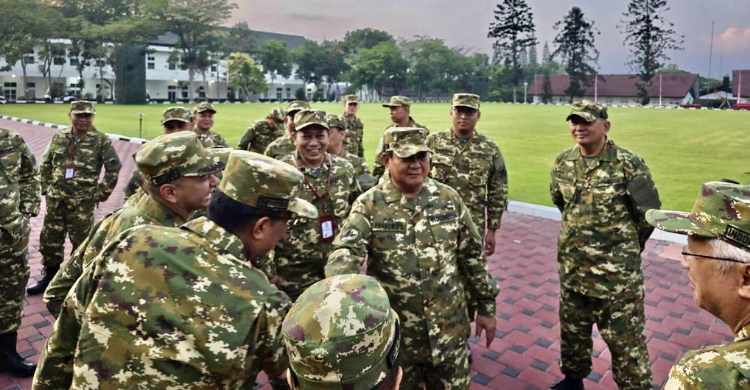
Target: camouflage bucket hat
171,156
295,106
203,107
588,110
341,333
351,99
336,121
398,101
405,141
264,182
721,211
278,114
466,100
82,107
180,114
306,118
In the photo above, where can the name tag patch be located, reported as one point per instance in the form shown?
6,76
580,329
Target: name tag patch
442,217
390,226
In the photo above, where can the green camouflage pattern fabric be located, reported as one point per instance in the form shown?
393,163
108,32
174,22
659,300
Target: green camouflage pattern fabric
603,201
336,121
351,99
134,184
716,367
305,118
281,147
278,114
378,168
180,114
299,258
259,135
171,156
476,169
296,105
341,333
202,107
19,184
588,110
205,317
355,131
466,100
405,142
418,249
398,101
363,180
82,107
212,139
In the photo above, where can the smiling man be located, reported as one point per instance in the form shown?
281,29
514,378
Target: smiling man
717,259
603,192
203,122
399,108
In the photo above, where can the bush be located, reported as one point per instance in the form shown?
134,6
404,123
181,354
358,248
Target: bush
332,97
299,94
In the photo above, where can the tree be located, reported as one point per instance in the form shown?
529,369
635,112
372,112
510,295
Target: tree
574,43
513,30
309,59
649,36
276,59
546,89
333,63
365,38
245,75
378,68
533,61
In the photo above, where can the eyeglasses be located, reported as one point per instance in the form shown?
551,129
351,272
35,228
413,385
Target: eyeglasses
684,253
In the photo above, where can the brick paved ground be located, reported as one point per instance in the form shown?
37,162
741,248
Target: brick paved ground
525,349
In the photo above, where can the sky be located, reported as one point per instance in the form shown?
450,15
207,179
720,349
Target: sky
464,23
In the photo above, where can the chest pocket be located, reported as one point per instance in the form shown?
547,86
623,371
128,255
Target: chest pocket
388,234
444,225
11,164
567,187
605,192
442,164
479,167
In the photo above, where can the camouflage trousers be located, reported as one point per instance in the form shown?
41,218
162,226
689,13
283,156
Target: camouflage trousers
452,374
14,273
71,217
620,321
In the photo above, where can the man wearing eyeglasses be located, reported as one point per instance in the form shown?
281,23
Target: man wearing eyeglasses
603,192
717,258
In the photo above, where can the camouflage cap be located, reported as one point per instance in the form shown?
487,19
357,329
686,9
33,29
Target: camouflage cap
82,107
405,141
264,182
171,156
341,333
278,114
308,117
466,100
721,211
351,99
180,114
296,105
203,107
336,121
398,101
588,110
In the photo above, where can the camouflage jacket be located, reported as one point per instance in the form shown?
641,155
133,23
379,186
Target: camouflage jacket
603,201
174,308
418,249
258,136
363,180
280,147
134,184
212,140
147,211
378,169
716,367
90,152
19,185
476,170
301,256
354,135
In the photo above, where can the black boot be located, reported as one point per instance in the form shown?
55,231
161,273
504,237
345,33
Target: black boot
10,361
47,274
568,383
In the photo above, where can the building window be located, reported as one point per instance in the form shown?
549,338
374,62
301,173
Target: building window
74,61
151,65
30,85
9,85
29,59
100,63
213,68
172,66
58,60
151,58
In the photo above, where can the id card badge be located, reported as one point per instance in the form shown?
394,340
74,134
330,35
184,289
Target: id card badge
326,227
70,172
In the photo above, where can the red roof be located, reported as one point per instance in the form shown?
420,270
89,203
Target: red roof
744,92
673,85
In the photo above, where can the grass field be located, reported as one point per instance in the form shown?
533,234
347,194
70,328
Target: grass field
683,148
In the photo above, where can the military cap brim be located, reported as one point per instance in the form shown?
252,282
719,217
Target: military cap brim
677,222
213,162
588,117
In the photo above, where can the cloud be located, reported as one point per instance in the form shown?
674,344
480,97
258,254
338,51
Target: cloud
732,40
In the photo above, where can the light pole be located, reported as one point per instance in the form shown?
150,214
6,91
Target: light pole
525,86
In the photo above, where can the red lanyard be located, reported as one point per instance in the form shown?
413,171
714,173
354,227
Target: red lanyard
325,196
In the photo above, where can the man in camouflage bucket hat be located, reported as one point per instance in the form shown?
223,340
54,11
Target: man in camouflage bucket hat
603,192
69,172
167,203
717,259
207,317
337,137
203,122
284,146
342,334
354,127
400,110
420,243
261,133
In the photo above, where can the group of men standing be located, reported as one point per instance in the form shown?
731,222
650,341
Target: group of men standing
189,283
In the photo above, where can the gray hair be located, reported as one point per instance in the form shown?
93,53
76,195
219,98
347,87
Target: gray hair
728,251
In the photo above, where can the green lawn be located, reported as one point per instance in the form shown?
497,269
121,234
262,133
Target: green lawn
683,148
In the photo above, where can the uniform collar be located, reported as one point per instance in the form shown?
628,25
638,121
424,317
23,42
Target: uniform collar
393,194
608,153
218,237
304,169
452,135
159,212
411,123
744,333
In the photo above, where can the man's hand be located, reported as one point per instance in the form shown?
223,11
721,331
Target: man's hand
489,242
488,324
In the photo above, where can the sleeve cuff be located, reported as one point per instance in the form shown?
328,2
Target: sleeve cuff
486,307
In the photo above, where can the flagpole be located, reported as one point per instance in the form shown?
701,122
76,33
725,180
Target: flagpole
739,87
596,86
660,75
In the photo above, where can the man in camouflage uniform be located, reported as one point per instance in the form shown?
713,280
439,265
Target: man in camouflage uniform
173,119
400,109
261,133
168,200
327,183
207,318
354,127
70,171
337,137
342,333
284,146
420,241
717,260
19,184
603,192
203,122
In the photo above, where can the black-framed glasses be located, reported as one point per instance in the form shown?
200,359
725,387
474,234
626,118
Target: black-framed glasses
684,253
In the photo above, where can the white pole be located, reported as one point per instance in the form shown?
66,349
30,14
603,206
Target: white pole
660,75
596,86
739,87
